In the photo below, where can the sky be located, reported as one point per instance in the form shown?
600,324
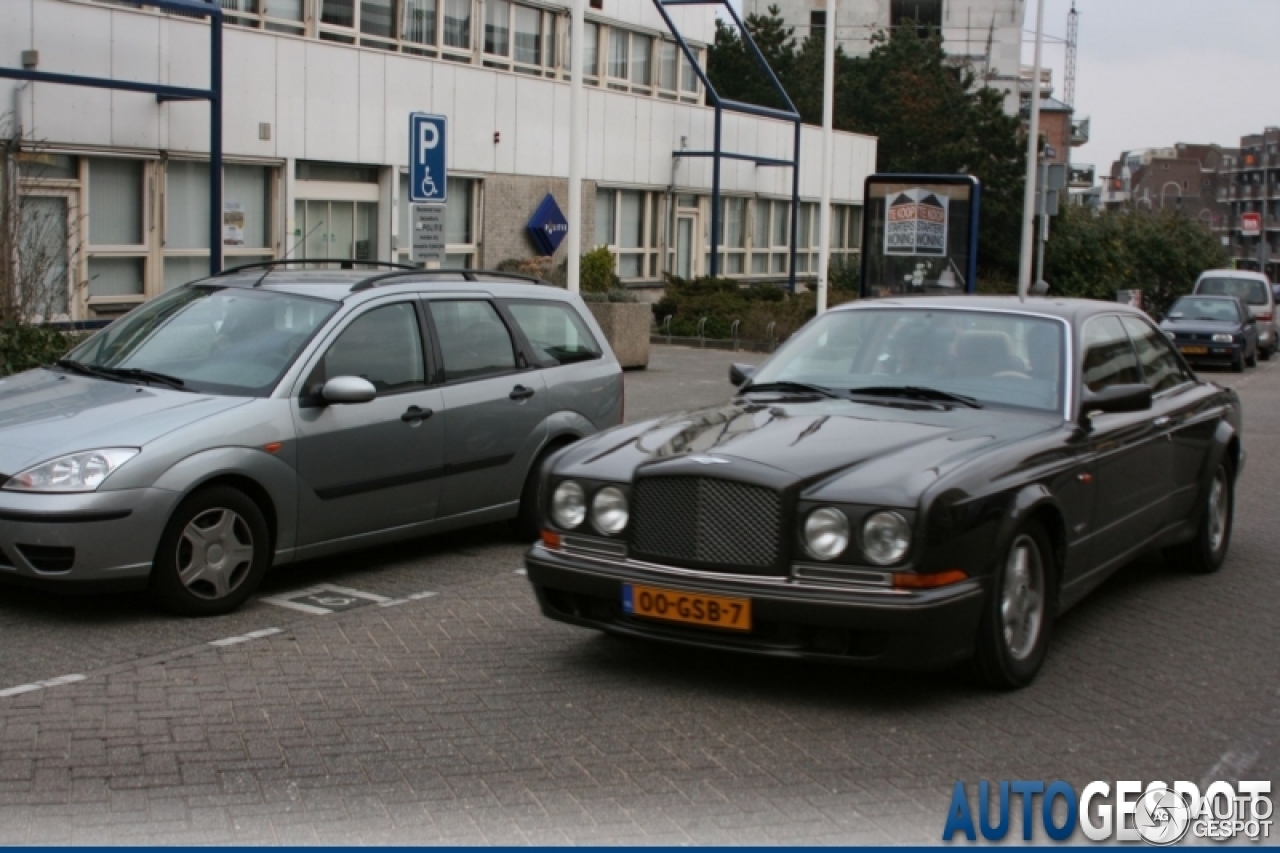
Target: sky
1152,73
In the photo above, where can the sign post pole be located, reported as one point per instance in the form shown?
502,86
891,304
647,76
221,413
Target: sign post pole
577,130
828,138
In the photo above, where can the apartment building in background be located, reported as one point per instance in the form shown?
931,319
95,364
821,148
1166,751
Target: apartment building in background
317,99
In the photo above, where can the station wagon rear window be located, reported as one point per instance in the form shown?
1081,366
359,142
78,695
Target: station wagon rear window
556,332
1252,291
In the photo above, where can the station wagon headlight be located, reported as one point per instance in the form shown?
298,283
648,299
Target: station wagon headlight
826,533
609,511
568,505
1223,339
886,537
75,472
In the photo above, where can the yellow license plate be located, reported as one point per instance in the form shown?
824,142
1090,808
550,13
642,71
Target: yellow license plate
692,608
1195,350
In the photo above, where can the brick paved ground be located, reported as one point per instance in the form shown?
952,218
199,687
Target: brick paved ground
465,717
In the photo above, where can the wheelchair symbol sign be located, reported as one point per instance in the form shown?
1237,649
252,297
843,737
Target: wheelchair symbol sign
428,169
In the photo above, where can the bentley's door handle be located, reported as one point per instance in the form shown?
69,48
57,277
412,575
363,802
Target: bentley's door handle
415,415
521,393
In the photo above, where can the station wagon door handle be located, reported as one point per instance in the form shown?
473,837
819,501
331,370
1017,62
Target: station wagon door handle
1163,422
521,393
415,415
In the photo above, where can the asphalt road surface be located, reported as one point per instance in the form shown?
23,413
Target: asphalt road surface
435,705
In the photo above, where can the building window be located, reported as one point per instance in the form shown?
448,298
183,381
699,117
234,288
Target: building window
497,27
817,23
846,233
630,61
247,193
770,248
460,217
591,51
733,236
627,223
520,33
117,213
281,16
923,13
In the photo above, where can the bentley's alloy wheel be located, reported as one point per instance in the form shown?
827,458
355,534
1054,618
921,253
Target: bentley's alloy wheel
1022,598
1013,636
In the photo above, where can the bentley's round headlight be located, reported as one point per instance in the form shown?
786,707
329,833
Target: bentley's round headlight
826,533
886,536
569,505
609,512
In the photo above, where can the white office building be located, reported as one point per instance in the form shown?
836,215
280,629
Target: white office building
987,34
317,99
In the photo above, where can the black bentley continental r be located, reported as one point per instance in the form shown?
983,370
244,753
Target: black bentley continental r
916,483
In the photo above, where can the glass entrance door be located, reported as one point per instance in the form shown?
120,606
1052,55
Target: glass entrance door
337,230
686,231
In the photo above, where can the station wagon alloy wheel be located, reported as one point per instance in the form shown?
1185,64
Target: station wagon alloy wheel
215,553
1022,598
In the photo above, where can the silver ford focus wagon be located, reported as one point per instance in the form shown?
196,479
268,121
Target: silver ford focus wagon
275,413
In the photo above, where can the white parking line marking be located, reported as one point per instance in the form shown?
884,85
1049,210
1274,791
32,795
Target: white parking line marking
244,638
417,596
41,685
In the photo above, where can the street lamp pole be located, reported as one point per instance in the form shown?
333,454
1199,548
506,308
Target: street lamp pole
577,141
828,122
1033,162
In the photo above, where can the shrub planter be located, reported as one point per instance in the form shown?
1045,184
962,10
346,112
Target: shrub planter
626,327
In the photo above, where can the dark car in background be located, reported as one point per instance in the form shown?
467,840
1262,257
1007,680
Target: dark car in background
1255,290
1214,330
906,483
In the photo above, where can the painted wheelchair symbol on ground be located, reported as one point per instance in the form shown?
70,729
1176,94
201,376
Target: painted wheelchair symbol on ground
326,598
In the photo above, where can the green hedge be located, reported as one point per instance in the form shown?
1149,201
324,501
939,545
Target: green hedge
23,347
722,301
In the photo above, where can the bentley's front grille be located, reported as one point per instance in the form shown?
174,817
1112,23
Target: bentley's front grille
699,520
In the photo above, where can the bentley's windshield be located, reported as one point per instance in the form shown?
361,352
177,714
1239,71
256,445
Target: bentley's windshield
975,357
221,340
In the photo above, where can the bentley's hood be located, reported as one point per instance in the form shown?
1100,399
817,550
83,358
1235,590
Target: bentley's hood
44,414
847,450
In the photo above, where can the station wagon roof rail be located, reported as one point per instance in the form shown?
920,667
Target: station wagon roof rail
467,275
345,263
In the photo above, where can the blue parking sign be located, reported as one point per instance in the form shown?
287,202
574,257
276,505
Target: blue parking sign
428,175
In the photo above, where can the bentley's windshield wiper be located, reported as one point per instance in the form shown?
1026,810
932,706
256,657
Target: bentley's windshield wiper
916,392
792,386
86,370
147,376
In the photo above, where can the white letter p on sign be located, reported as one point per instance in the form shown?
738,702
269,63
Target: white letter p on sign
428,138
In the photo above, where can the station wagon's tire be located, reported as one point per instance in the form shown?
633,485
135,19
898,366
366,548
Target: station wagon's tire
1206,553
213,553
1013,636
1264,353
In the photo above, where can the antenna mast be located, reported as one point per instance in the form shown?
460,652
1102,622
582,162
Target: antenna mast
1073,41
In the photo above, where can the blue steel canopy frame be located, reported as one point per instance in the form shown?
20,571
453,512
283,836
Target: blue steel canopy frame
163,93
720,104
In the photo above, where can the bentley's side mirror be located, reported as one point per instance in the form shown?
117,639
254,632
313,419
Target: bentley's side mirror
740,374
1115,399
348,390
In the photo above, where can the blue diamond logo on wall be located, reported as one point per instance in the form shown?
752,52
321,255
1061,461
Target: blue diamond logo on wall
548,226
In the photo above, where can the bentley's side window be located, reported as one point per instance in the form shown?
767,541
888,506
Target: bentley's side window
1160,367
1109,359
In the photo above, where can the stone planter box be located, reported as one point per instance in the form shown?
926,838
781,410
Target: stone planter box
626,327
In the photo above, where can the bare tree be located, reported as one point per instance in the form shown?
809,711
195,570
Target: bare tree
39,251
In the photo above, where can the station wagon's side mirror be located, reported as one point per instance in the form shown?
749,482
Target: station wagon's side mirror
1115,399
347,390
740,374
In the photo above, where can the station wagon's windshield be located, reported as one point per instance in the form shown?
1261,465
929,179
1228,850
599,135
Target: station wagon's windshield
985,358
221,340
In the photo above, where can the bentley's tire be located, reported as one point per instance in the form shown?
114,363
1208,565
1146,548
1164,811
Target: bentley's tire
212,555
1013,636
1206,553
